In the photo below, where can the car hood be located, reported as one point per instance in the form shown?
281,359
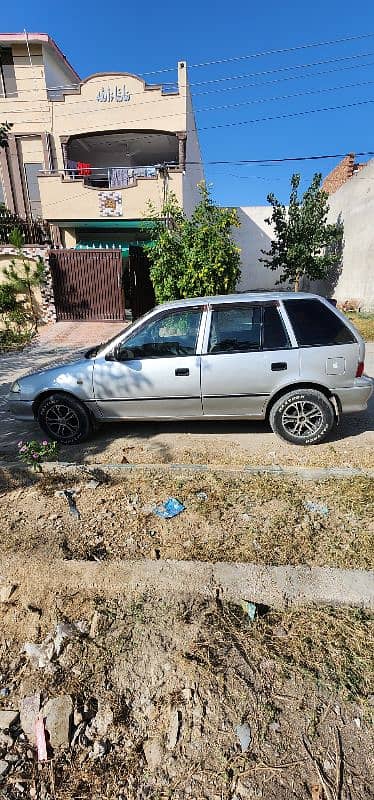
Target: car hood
74,377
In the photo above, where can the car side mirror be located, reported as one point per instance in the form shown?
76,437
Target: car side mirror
114,355
120,353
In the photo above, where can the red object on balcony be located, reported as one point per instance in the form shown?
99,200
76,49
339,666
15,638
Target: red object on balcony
83,168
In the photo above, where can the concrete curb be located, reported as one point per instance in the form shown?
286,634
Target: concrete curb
274,586
305,473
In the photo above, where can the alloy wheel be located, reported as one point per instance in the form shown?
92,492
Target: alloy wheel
62,421
302,418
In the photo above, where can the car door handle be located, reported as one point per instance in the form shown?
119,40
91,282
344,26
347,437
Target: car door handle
277,366
182,371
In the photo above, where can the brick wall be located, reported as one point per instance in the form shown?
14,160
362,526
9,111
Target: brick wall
341,173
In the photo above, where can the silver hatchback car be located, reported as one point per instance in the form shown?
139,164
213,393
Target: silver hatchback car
290,358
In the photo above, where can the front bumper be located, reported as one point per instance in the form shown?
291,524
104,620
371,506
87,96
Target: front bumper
356,397
21,409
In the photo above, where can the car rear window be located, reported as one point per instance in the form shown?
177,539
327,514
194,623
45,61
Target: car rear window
316,325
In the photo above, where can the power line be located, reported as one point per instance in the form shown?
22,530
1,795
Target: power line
226,78
276,70
285,116
284,159
263,53
220,90
231,106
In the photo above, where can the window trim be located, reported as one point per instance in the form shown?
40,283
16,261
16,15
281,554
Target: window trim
167,313
240,304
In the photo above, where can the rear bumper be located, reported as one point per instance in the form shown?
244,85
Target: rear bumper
21,409
356,397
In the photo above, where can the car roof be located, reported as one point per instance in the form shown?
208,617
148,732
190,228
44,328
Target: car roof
239,297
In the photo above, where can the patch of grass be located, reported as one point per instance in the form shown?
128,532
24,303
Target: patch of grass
364,323
329,646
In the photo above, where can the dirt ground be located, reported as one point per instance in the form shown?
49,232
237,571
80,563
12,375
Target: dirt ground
261,519
191,699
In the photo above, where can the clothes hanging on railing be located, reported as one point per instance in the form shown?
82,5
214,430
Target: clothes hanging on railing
71,168
83,169
118,177
142,172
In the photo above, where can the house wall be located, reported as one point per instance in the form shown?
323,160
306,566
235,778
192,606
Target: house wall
353,204
52,120
56,73
194,172
253,236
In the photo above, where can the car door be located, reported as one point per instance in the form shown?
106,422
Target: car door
246,356
155,372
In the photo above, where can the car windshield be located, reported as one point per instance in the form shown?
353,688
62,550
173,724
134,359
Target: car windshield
98,348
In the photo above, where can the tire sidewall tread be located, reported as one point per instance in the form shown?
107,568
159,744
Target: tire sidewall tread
76,406
308,394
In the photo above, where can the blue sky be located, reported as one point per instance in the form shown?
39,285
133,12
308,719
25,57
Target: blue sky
147,36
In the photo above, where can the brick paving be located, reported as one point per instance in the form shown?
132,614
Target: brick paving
55,344
78,334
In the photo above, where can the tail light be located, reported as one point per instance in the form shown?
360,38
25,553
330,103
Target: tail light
360,369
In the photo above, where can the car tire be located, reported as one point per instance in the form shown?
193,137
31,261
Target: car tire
302,416
64,419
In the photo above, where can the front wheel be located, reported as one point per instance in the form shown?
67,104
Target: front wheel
64,419
303,416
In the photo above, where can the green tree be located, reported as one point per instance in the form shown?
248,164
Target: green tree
23,274
5,128
304,243
194,257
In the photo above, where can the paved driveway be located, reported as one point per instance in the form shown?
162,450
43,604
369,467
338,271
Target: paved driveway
253,442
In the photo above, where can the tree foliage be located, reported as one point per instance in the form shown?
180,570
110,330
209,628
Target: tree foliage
194,257
23,274
304,244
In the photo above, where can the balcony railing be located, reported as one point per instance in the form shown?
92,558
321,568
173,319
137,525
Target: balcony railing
33,231
112,177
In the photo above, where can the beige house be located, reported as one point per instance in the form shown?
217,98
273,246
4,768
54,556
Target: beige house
89,155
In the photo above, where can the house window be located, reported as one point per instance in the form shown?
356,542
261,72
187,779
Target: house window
8,85
32,184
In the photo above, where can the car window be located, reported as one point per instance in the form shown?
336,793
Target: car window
275,336
171,334
314,324
235,329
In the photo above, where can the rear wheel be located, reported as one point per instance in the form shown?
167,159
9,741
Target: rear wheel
64,419
304,416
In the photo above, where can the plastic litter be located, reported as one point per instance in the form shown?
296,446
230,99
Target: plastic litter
244,735
201,495
316,508
72,504
249,608
42,654
41,743
64,630
170,508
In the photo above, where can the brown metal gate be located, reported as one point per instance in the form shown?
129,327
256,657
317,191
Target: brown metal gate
87,284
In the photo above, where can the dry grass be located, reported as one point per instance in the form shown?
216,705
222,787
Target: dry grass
332,647
364,323
258,519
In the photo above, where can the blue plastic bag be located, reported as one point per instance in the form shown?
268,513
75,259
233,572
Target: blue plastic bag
170,508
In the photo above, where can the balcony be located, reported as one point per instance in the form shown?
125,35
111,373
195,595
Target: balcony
129,164
67,196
